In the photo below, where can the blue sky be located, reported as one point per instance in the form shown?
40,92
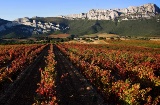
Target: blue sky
12,9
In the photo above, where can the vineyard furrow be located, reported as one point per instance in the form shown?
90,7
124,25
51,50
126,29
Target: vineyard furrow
72,87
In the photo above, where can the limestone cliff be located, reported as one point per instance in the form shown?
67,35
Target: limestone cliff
132,12
40,27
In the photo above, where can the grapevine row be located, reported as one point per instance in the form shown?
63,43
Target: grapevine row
122,76
10,52
19,58
46,93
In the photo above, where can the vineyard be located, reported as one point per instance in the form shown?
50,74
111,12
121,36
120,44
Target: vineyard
121,74
77,74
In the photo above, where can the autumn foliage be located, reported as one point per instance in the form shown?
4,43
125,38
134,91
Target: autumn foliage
123,75
15,58
46,93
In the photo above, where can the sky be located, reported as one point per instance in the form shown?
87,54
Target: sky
13,9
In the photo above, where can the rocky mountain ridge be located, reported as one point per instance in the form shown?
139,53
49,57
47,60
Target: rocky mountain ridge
29,26
39,26
133,12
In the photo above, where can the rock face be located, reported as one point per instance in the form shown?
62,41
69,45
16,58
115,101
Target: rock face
40,27
132,12
36,27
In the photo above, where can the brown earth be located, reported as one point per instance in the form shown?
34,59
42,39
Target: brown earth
59,36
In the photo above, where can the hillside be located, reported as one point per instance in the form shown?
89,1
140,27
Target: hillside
2,21
143,27
19,31
11,29
27,27
132,21
139,27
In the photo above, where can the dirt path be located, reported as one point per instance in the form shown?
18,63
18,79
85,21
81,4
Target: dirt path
72,87
22,90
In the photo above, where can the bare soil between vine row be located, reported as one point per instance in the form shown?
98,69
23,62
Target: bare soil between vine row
72,87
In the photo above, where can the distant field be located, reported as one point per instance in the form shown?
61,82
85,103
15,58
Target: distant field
142,43
101,35
20,40
129,42
107,35
59,36
91,35
84,42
